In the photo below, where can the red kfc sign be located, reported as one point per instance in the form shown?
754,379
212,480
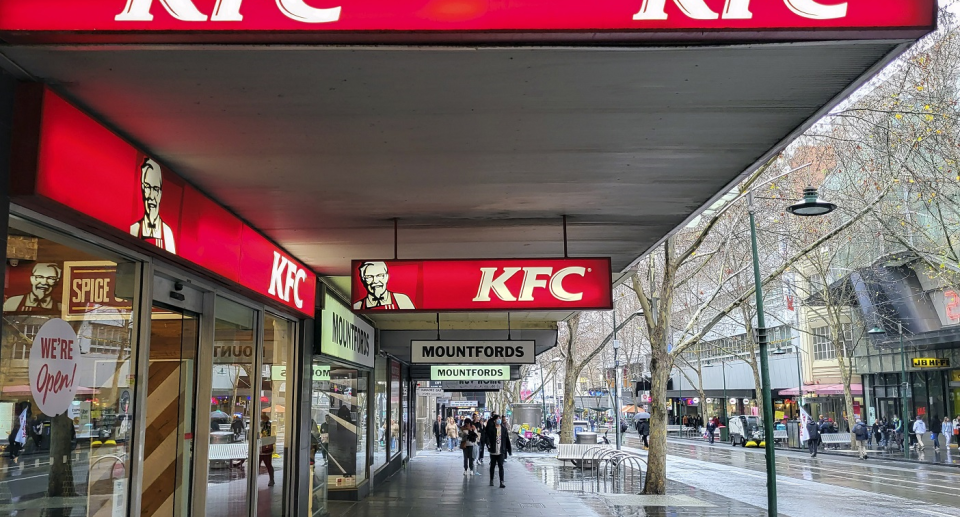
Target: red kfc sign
481,285
67,157
378,20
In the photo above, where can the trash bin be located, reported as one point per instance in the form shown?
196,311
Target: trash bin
586,437
724,434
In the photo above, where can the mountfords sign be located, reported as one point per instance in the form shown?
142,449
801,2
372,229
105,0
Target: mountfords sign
479,20
344,335
463,373
481,285
472,352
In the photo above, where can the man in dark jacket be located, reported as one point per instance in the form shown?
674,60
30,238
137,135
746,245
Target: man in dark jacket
438,431
813,433
498,445
643,429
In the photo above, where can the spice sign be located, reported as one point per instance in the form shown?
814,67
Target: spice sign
473,352
931,362
463,373
53,367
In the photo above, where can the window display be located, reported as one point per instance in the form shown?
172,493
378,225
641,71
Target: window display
340,413
380,411
67,401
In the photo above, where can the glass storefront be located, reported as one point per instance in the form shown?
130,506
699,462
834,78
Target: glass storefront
279,344
338,406
320,437
380,407
68,377
395,438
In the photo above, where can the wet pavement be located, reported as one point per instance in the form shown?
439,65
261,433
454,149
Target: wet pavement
830,485
704,480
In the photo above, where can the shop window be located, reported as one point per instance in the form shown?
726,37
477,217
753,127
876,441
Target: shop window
381,407
319,437
823,344
68,313
338,407
394,421
275,420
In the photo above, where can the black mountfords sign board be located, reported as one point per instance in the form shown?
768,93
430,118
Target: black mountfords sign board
473,352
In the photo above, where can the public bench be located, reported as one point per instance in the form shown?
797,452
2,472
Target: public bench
835,439
779,434
575,451
232,453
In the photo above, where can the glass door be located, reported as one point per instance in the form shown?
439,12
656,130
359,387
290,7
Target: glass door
171,398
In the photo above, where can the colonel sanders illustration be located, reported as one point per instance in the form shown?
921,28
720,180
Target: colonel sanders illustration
43,281
151,228
375,276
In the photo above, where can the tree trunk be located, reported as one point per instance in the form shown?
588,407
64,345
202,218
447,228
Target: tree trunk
846,376
60,483
569,402
660,365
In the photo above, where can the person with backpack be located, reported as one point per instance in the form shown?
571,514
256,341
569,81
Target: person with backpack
862,433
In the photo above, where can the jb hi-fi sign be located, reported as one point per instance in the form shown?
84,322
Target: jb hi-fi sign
173,20
479,285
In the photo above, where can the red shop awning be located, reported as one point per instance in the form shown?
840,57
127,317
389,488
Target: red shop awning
823,389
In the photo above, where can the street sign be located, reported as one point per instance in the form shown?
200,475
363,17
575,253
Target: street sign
473,352
472,385
462,373
424,392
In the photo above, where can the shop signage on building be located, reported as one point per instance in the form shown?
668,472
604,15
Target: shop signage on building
345,335
473,352
481,285
63,155
472,385
463,373
463,403
321,372
427,392
931,362
53,364
281,20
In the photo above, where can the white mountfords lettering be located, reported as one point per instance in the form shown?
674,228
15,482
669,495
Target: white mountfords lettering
224,11
738,10
285,277
533,277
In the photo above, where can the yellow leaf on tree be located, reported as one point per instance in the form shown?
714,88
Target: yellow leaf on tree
898,116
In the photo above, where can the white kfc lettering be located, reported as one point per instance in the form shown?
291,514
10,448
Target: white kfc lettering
533,277
738,10
224,11
285,277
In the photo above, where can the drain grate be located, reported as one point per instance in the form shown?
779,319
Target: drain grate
532,505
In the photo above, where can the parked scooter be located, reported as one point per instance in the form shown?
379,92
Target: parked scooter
544,443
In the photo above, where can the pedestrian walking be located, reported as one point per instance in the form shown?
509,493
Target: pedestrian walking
877,431
919,429
898,431
644,430
862,434
936,427
711,427
439,431
498,445
946,429
453,433
813,442
468,442
482,444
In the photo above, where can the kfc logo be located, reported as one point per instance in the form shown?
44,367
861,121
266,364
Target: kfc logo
43,281
739,10
533,278
224,11
285,278
152,228
375,276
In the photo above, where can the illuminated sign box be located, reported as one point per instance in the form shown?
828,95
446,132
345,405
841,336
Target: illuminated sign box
481,285
473,352
467,373
931,362
463,21
66,157
345,335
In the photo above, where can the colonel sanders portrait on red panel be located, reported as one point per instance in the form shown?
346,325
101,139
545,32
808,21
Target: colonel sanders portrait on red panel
152,228
374,276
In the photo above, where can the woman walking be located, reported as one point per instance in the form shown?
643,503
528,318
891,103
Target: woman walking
452,433
468,442
947,431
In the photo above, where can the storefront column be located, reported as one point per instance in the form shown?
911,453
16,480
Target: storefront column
7,87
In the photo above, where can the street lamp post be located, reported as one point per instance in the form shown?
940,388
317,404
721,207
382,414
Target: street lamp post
810,206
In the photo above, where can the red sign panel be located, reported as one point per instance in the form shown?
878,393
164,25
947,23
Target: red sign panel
481,285
84,166
286,19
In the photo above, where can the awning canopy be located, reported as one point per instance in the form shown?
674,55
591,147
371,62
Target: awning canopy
823,389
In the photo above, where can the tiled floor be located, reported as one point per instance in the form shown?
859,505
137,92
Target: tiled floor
433,485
